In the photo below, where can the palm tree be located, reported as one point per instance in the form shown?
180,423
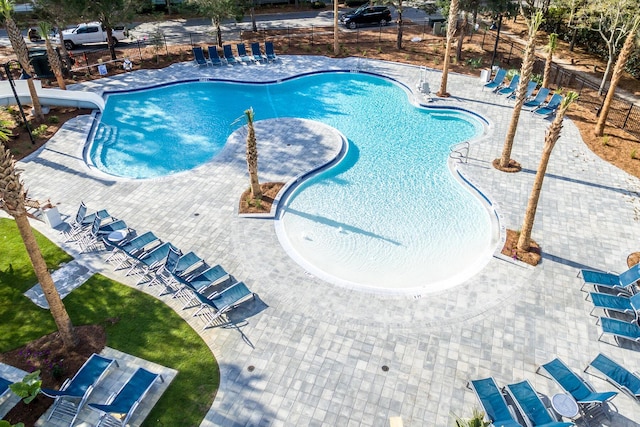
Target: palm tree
629,44
22,52
54,59
525,76
336,30
553,133
551,49
252,156
12,195
451,32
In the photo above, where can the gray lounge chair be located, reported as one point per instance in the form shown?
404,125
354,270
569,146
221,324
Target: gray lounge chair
214,306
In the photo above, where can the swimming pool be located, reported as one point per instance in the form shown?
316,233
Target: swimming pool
389,216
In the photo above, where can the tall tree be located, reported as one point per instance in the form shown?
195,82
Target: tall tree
60,13
525,76
628,47
398,6
612,19
12,196
110,13
551,48
451,33
22,53
336,29
252,156
553,133
52,55
217,11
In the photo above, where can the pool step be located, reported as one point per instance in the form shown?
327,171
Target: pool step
106,134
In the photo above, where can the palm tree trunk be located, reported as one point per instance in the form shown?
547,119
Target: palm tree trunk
252,157
58,311
547,70
629,44
400,23
525,77
553,133
451,32
35,100
110,43
56,65
336,31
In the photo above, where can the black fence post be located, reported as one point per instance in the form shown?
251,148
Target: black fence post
379,33
483,36
627,117
139,50
166,46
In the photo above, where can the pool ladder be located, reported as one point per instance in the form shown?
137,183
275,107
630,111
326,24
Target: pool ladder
460,151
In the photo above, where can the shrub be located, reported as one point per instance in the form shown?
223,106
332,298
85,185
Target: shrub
39,131
53,120
29,387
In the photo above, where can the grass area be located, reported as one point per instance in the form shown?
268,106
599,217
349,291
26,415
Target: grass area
135,323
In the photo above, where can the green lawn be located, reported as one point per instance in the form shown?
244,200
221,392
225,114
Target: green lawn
146,328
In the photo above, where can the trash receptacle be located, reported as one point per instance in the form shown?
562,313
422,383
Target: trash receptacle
484,76
52,217
40,62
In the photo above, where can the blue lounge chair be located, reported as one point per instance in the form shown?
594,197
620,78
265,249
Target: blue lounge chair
497,80
530,88
198,56
493,403
513,85
589,401
628,382
150,262
255,51
120,406
621,304
533,411
216,305
550,107
228,54
623,282
242,53
214,57
78,223
198,284
164,275
619,329
270,52
4,386
73,393
541,96
123,250
187,263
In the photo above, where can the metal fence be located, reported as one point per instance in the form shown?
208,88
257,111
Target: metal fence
623,114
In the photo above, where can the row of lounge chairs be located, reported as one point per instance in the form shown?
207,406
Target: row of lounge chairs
74,393
617,293
229,58
532,412
538,104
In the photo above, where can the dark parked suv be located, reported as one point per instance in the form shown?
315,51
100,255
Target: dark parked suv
365,14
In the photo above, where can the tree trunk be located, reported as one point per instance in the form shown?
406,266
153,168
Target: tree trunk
524,241
605,77
336,32
56,65
252,13
218,33
110,43
63,49
252,157
400,28
451,30
615,79
461,33
572,43
37,108
58,311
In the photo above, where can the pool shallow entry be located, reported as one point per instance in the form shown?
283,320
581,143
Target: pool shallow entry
390,216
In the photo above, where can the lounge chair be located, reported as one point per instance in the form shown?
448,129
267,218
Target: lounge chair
497,80
255,51
621,304
493,403
199,283
623,282
4,386
530,88
77,225
228,54
270,52
120,406
589,401
124,249
619,329
540,97
242,53
164,275
214,57
150,262
198,56
550,107
216,305
511,88
533,411
73,393
627,381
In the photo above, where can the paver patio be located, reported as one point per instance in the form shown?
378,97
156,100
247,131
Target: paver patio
316,349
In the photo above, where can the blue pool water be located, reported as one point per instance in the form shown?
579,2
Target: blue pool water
389,216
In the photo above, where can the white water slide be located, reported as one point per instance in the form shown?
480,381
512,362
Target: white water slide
49,97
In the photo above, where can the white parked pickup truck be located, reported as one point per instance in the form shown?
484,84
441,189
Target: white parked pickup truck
93,32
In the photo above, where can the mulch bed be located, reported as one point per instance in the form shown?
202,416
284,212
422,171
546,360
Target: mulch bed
531,257
263,206
55,363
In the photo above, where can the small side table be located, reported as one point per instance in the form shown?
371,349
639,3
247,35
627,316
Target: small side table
565,405
117,235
